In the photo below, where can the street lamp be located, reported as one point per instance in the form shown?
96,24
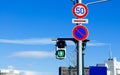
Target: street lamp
95,2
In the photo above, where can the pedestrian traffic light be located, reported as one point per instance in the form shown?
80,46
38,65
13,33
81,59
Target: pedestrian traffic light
60,49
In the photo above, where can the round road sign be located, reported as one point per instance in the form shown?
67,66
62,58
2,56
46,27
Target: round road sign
80,10
80,32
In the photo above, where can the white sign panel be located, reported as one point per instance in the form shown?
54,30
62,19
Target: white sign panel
83,21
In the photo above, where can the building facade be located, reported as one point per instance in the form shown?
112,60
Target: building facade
113,66
71,71
9,72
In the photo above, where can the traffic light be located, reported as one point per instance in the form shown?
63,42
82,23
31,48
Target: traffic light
84,44
60,49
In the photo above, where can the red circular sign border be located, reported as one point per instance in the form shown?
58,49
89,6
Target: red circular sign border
79,4
80,26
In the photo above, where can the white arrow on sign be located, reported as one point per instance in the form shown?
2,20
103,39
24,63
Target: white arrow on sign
85,21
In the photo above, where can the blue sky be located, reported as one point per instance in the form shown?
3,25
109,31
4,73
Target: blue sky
27,26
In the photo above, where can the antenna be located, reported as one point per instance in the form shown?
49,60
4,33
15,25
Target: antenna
110,53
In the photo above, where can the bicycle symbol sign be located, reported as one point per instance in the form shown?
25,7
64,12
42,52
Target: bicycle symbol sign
80,10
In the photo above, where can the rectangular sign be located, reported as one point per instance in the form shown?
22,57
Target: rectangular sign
85,21
97,70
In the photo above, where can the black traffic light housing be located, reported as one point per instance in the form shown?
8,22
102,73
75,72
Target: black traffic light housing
60,49
84,44
61,44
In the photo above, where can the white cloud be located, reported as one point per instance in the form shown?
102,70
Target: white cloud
28,41
90,43
97,44
27,72
44,41
33,54
36,73
30,73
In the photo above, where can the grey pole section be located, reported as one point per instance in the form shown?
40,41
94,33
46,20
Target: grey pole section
79,1
79,53
79,58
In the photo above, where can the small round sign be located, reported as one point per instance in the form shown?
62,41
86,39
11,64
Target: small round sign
80,32
80,10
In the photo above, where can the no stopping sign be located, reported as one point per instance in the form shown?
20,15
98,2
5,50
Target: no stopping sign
80,10
80,32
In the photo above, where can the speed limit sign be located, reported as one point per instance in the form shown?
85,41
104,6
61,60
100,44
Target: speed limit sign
80,10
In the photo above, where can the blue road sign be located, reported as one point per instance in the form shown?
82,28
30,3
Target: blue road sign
97,70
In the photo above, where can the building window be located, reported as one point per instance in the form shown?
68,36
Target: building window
74,73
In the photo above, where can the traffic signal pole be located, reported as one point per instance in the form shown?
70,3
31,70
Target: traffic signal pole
79,58
79,1
79,54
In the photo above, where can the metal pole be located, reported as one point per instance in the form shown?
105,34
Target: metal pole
83,63
79,53
70,70
79,58
79,1
95,2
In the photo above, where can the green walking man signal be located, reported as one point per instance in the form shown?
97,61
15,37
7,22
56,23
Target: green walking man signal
60,49
60,53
